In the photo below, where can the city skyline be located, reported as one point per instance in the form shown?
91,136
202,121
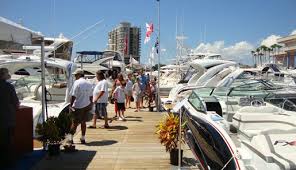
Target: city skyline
233,28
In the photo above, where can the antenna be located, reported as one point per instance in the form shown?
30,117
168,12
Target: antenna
53,25
205,32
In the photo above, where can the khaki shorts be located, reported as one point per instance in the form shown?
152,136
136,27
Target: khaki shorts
81,114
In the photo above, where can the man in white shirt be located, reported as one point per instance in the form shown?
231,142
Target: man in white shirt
100,99
80,103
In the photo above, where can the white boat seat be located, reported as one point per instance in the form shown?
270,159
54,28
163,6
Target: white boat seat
250,123
261,109
279,131
272,149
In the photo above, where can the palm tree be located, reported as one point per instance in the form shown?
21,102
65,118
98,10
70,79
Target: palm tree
269,50
263,49
273,48
276,48
258,52
253,55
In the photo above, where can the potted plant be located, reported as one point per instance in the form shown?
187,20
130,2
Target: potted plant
168,132
64,123
51,135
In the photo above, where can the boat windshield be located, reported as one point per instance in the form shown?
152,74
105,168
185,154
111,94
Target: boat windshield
204,91
286,103
259,88
92,56
116,55
195,101
191,71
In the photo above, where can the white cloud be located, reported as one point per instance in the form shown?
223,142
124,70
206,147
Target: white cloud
239,52
270,40
293,32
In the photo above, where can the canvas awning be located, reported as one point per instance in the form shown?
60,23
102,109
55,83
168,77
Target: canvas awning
11,31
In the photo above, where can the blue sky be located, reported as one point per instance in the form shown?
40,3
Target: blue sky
208,21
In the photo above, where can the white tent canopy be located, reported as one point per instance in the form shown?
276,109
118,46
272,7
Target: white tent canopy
11,31
134,61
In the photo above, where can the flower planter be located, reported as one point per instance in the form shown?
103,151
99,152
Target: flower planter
53,149
174,156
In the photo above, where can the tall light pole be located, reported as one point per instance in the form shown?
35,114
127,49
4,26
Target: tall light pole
158,86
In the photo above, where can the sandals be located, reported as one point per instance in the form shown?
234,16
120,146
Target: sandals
91,127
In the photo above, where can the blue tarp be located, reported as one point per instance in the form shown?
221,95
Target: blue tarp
90,52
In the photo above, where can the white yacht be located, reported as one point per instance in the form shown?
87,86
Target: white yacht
174,74
92,61
259,134
201,73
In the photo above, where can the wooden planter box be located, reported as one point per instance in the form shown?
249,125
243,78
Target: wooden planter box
23,140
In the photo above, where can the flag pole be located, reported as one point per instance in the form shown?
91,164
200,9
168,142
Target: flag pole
158,80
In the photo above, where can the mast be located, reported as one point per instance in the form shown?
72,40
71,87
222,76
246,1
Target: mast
158,93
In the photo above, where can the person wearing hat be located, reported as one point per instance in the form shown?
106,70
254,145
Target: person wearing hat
80,103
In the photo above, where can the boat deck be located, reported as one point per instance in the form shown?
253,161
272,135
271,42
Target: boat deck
130,144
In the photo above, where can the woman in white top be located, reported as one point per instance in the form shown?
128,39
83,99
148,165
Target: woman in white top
129,91
137,94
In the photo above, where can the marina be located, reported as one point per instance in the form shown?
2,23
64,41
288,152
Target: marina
124,87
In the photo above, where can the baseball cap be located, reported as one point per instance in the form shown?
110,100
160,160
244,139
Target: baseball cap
81,72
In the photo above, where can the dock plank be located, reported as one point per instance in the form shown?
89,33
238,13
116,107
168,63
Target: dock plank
129,144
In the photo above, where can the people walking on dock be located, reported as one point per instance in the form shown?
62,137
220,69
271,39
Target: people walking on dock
129,91
100,99
80,103
117,83
143,87
119,96
9,103
137,94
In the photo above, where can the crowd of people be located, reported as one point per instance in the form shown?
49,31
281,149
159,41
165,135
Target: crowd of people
86,97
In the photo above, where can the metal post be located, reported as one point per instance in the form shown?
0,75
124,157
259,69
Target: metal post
180,133
43,95
158,87
42,79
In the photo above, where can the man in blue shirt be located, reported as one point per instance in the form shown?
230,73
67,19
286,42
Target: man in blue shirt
144,82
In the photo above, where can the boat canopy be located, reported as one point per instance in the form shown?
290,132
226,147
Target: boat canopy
11,31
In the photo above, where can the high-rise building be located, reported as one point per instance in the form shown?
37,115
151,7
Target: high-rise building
126,40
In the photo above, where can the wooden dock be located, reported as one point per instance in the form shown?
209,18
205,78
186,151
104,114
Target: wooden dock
130,144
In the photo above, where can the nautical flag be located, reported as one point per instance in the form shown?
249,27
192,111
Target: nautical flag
156,45
149,30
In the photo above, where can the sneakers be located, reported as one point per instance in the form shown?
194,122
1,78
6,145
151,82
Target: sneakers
122,118
82,141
